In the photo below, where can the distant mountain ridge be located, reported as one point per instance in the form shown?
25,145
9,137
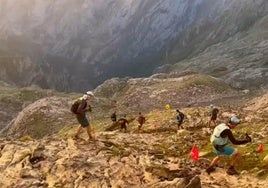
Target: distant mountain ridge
72,45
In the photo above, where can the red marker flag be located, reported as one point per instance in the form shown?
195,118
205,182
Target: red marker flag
194,153
260,148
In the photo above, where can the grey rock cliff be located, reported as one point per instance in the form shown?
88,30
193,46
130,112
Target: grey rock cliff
74,45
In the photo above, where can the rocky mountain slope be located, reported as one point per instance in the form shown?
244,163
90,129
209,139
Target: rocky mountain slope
241,60
81,44
156,157
126,96
13,100
43,153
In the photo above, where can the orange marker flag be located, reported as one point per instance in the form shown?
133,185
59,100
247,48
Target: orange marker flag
194,154
260,148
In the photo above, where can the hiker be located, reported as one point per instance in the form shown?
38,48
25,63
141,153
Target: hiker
81,115
113,117
180,117
214,115
123,123
220,138
141,120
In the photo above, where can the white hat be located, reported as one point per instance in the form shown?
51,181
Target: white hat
90,93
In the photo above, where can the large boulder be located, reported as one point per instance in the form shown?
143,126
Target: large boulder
43,117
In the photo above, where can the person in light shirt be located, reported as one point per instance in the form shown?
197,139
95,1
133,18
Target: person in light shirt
221,137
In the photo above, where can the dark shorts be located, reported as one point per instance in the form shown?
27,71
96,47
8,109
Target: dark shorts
83,121
123,126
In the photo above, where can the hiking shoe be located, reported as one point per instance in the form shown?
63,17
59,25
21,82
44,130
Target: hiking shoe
210,169
232,171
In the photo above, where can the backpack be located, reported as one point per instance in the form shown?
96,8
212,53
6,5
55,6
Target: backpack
75,106
180,116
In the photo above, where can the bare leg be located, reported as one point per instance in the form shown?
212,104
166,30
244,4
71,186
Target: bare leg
139,127
235,158
78,131
215,161
89,132
212,164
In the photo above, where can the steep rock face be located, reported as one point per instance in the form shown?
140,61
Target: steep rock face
19,71
80,44
241,60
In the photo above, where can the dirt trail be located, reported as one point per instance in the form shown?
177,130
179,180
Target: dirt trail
219,179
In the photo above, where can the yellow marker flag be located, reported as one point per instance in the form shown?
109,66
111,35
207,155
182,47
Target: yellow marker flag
167,107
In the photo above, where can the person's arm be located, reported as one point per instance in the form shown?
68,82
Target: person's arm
228,132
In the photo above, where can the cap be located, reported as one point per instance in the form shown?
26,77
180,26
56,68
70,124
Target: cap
90,93
235,120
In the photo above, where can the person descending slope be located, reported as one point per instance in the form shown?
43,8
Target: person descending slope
123,123
220,138
113,117
141,120
214,115
180,117
80,111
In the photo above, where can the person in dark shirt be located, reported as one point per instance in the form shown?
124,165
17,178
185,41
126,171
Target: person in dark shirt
180,118
220,138
123,123
141,120
81,115
113,117
214,115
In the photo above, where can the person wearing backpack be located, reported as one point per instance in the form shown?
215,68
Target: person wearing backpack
180,117
221,137
80,112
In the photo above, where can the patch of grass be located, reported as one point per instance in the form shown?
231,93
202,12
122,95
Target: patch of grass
40,126
191,81
204,80
26,138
